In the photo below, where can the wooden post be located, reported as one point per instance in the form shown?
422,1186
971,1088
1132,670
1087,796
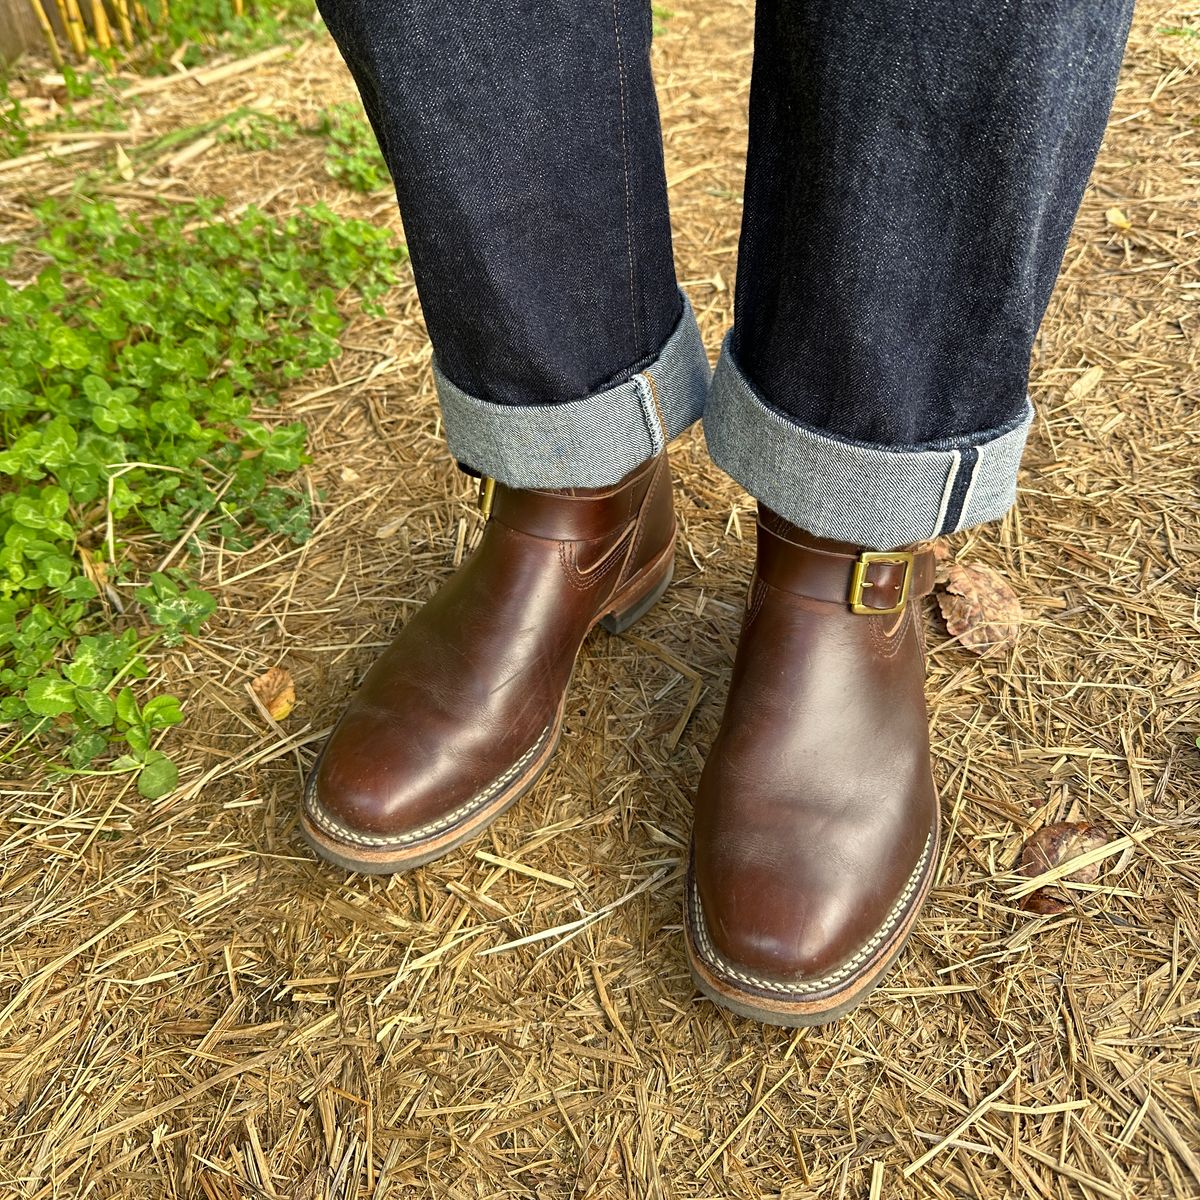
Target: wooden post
19,29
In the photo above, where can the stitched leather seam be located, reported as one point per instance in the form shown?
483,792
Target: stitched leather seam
843,972
630,555
885,646
758,594
647,502
344,833
584,581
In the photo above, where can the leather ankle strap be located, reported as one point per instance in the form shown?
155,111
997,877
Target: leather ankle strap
577,515
870,583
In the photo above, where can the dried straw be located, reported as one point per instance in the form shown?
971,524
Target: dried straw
193,1008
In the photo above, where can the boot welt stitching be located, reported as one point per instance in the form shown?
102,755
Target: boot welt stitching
844,971
342,832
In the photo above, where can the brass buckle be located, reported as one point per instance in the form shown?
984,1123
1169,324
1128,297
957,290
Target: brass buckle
487,493
859,581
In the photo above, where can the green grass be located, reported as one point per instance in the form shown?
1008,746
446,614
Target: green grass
352,154
15,133
202,26
135,350
192,32
251,130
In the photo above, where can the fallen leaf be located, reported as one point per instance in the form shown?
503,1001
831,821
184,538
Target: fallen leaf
1085,383
1050,847
96,569
1117,218
980,608
50,86
276,692
943,560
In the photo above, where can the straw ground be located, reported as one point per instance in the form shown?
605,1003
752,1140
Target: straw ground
192,1007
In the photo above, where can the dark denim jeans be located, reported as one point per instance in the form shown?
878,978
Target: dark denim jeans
913,173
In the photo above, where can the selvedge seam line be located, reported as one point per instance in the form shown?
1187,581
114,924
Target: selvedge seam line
337,829
656,422
844,971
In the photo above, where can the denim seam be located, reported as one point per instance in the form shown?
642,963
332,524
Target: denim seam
872,495
633,312
966,504
948,490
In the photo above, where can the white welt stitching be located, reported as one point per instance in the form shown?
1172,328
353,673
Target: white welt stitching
812,985
338,830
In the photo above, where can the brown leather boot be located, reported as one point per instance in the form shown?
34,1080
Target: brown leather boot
816,830
462,712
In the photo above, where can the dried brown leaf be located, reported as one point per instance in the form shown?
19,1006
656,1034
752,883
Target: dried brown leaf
1050,847
980,608
276,692
943,560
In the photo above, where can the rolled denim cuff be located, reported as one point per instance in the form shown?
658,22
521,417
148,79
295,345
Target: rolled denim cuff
877,496
592,442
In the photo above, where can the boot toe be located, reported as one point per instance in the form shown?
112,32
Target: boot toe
380,780
798,919
786,935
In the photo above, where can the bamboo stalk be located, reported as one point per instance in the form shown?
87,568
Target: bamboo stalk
122,7
48,31
75,28
64,17
101,26
116,18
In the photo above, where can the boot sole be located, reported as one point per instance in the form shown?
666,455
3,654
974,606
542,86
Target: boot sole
731,985
633,601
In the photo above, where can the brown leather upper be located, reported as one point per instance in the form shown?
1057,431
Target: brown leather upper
478,675
817,801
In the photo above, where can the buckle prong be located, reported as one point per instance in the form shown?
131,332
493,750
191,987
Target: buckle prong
859,581
487,493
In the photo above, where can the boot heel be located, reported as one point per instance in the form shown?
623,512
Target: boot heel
621,618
